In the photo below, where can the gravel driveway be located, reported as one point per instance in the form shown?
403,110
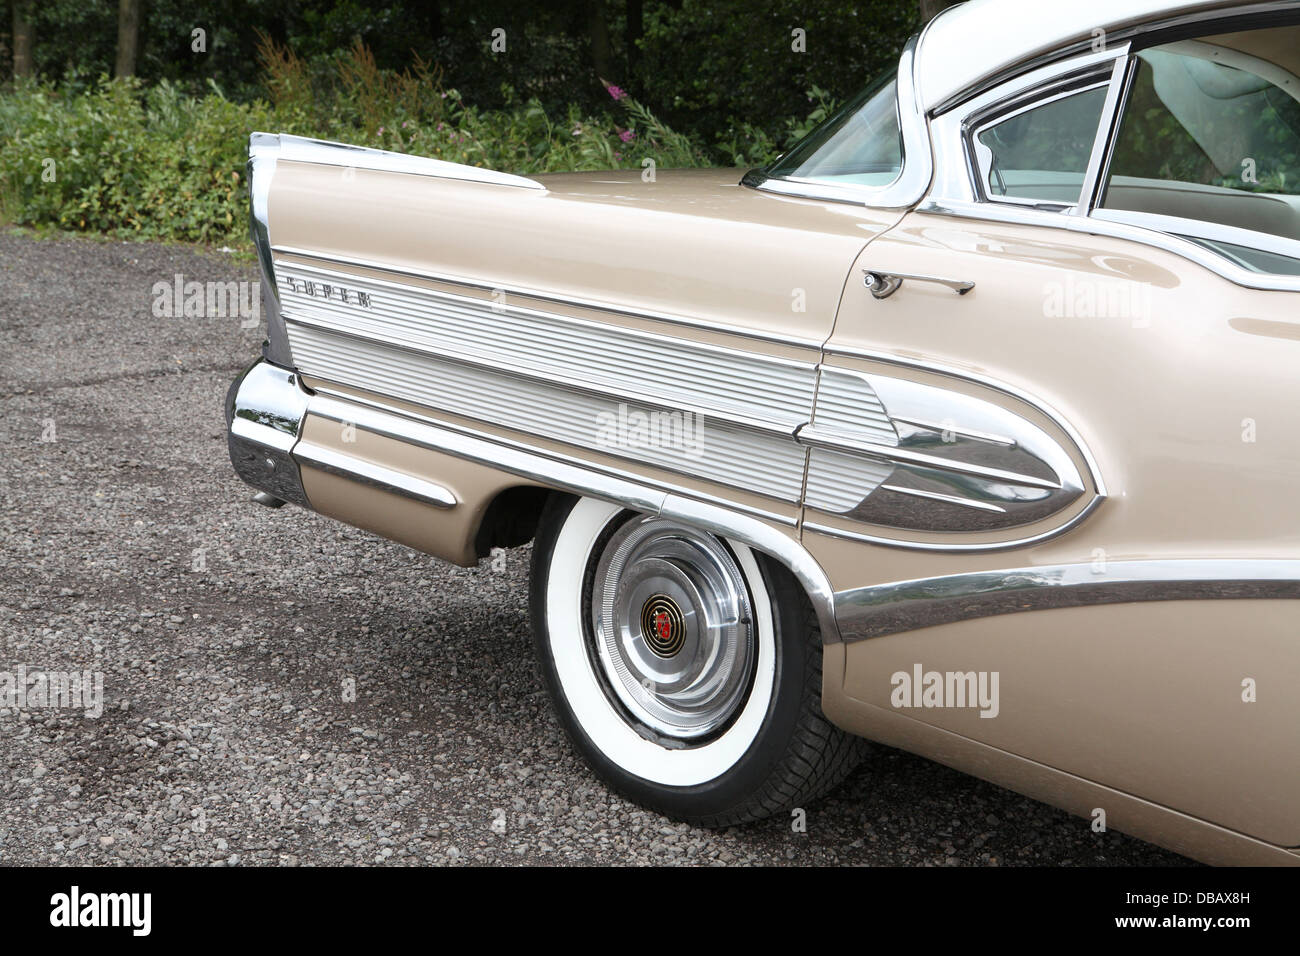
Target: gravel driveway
228,636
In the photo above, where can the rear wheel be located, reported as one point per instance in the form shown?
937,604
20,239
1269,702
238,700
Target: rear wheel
686,668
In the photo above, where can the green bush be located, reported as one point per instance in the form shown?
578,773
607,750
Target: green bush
123,160
126,162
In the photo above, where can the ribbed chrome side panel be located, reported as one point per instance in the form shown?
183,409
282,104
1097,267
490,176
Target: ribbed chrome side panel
670,370
847,402
838,482
710,450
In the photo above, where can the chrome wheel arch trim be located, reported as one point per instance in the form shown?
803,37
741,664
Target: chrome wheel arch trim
883,609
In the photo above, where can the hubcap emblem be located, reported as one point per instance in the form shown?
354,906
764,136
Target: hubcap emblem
663,626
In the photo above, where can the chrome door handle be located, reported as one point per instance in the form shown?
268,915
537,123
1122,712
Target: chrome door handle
884,284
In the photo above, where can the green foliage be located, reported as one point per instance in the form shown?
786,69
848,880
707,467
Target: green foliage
745,144
123,161
711,81
722,71
154,163
728,71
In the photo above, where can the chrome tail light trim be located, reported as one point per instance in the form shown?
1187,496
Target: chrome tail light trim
263,152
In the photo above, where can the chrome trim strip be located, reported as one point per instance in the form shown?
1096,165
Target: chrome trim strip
950,499
1120,77
964,432
555,473
825,529
343,400
263,150
821,438
300,149
485,452
1200,229
486,285
1094,226
918,164
878,610
782,430
376,476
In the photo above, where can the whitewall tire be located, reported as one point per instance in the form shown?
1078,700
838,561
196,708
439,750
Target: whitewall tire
684,667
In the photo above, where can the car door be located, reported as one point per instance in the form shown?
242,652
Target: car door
1076,362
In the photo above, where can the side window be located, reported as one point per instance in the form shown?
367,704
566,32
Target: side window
1040,154
860,144
1210,132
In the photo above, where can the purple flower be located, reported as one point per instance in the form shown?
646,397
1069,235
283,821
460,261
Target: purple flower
381,129
626,135
616,92
403,124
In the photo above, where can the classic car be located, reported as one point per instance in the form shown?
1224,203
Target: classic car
969,426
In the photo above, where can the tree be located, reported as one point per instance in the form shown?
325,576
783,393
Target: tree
634,14
128,36
22,38
602,55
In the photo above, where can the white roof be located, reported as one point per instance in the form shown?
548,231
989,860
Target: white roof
979,38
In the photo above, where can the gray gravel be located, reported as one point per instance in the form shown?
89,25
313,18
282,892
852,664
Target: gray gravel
226,736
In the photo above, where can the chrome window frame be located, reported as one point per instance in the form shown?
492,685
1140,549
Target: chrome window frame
956,168
956,192
1089,79
908,187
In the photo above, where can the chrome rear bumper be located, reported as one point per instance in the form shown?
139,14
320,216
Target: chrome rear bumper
265,408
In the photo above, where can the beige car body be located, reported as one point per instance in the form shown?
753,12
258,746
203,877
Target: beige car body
1146,598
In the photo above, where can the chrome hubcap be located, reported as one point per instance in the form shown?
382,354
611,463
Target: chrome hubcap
673,627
